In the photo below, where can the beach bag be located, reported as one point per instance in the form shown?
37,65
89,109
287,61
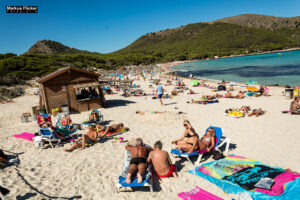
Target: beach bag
37,141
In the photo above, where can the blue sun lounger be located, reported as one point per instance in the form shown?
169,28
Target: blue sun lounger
147,179
219,134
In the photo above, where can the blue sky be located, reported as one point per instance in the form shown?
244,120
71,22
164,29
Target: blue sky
106,26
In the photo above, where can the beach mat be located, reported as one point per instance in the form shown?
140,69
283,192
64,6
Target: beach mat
237,174
198,193
25,136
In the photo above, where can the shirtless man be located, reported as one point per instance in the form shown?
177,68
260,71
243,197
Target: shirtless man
138,161
295,104
257,112
161,162
89,138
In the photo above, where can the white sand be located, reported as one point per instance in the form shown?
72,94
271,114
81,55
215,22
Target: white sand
93,173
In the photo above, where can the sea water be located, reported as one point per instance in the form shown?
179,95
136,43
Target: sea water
273,68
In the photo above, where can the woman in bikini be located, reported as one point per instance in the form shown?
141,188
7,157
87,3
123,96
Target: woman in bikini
189,141
208,140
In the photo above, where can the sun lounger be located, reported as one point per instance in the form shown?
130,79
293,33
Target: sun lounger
147,179
49,136
218,144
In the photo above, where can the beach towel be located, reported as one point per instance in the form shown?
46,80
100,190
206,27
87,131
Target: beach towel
25,136
111,133
236,174
198,193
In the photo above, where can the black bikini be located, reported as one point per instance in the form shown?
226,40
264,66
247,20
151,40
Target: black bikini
188,135
138,160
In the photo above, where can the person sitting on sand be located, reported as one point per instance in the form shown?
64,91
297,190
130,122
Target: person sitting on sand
189,141
174,92
191,92
295,105
89,138
161,162
152,112
93,118
228,94
257,112
111,128
240,95
139,154
230,88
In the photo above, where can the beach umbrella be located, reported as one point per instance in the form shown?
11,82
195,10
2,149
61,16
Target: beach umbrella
251,82
253,89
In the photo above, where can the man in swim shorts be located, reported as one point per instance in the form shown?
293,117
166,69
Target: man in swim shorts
159,92
161,162
137,166
89,138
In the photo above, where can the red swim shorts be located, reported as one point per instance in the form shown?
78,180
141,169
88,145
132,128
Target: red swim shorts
172,169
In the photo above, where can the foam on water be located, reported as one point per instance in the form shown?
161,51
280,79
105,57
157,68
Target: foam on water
274,68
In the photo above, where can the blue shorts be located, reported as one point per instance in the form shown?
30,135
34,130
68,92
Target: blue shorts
160,96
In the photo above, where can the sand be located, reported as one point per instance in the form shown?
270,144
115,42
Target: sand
93,173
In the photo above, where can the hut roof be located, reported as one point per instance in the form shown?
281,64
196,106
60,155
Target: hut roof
63,70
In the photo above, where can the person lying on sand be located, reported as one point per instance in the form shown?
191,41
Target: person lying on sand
145,112
257,112
189,141
111,128
139,154
161,162
89,138
295,105
240,95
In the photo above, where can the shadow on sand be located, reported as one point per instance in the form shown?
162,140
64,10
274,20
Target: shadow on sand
117,102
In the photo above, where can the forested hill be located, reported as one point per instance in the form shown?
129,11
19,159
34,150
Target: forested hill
52,47
202,40
262,21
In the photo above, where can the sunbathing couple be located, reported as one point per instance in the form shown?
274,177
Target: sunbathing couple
190,141
246,110
141,154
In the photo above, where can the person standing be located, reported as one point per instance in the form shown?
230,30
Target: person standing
159,92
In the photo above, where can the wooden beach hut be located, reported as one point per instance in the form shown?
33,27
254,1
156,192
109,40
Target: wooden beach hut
65,87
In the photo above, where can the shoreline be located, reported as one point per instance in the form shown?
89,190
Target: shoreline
169,67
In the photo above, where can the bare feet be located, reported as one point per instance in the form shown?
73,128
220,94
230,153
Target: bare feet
128,178
140,178
175,175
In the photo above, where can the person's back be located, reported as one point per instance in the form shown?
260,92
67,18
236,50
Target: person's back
160,161
159,89
139,151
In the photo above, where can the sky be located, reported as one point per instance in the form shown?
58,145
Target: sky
108,25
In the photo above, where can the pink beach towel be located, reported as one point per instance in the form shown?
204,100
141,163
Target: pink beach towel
280,181
25,136
198,193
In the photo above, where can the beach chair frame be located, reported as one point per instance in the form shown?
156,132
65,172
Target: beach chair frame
51,138
225,140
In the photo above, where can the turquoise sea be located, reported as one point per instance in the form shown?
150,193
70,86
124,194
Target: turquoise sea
274,68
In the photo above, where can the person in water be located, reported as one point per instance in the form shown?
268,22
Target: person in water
189,141
161,162
139,154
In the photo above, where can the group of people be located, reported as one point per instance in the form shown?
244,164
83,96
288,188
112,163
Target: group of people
142,154
89,92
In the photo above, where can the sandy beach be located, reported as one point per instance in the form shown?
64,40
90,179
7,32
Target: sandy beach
93,173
